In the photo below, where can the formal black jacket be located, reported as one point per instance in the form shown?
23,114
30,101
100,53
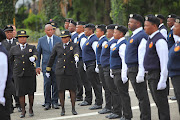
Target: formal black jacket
8,46
65,59
22,65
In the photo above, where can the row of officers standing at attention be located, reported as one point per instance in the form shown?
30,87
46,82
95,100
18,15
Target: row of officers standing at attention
80,58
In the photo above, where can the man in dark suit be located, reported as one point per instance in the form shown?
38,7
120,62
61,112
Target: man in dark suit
8,43
44,48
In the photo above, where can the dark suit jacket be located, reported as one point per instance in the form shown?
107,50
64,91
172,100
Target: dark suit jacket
65,59
22,65
43,49
7,46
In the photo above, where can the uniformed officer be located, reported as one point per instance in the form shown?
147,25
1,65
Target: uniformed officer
162,27
173,63
100,32
8,43
155,63
89,58
24,56
170,24
119,70
116,110
72,30
134,54
67,54
83,81
66,22
5,81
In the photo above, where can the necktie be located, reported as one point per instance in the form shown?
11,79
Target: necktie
9,43
65,45
50,44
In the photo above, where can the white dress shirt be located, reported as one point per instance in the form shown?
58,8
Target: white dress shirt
162,51
163,31
65,44
51,39
94,44
23,46
10,40
83,40
122,49
3,75
176,38
141,52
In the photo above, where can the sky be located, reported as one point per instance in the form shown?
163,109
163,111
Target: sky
20,2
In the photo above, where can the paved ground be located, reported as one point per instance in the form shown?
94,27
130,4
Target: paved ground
83,112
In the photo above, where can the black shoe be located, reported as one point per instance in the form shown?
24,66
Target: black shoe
59,104
107,116
123,118
104,111
47,107
74,112
94,107
113,116
11,110
79,99
63,112
19,109
23,115
43,105
173,98
31,114
55,106
84,103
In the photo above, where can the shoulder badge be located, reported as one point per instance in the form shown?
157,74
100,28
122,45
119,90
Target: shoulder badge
151,45
30,50
177,48
87,43
71,48
114,48
106,45
131,41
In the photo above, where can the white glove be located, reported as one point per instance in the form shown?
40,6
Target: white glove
139,77
84,67
124,78
2,101
47,75
97,69
76,58
111,75
161,85
32,59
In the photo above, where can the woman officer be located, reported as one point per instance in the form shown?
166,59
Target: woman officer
67,57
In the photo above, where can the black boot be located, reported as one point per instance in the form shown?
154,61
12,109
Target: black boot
63,112
74,111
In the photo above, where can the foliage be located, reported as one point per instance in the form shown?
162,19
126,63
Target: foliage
6,12
35,22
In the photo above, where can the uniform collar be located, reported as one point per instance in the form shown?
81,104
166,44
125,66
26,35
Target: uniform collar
66,43
50,37
121,39
161,25
176,38
172,27
73,33
136,31
101,37
10,40
23,45
80,34
90,36
153,34
111,38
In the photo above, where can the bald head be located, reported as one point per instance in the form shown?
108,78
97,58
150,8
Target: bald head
49,30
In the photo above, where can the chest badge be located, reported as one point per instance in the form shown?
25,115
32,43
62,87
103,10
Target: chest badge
170,35
87,43
97,45
114,48
17,43
30,50
77,42
106,45
131,41
71,48
177,48
151,45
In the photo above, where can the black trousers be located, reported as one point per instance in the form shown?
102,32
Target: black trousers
116,101
176,84
123,93
93,77
140,90
85,82
16,98
108,103
79,91
5,110
159,96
